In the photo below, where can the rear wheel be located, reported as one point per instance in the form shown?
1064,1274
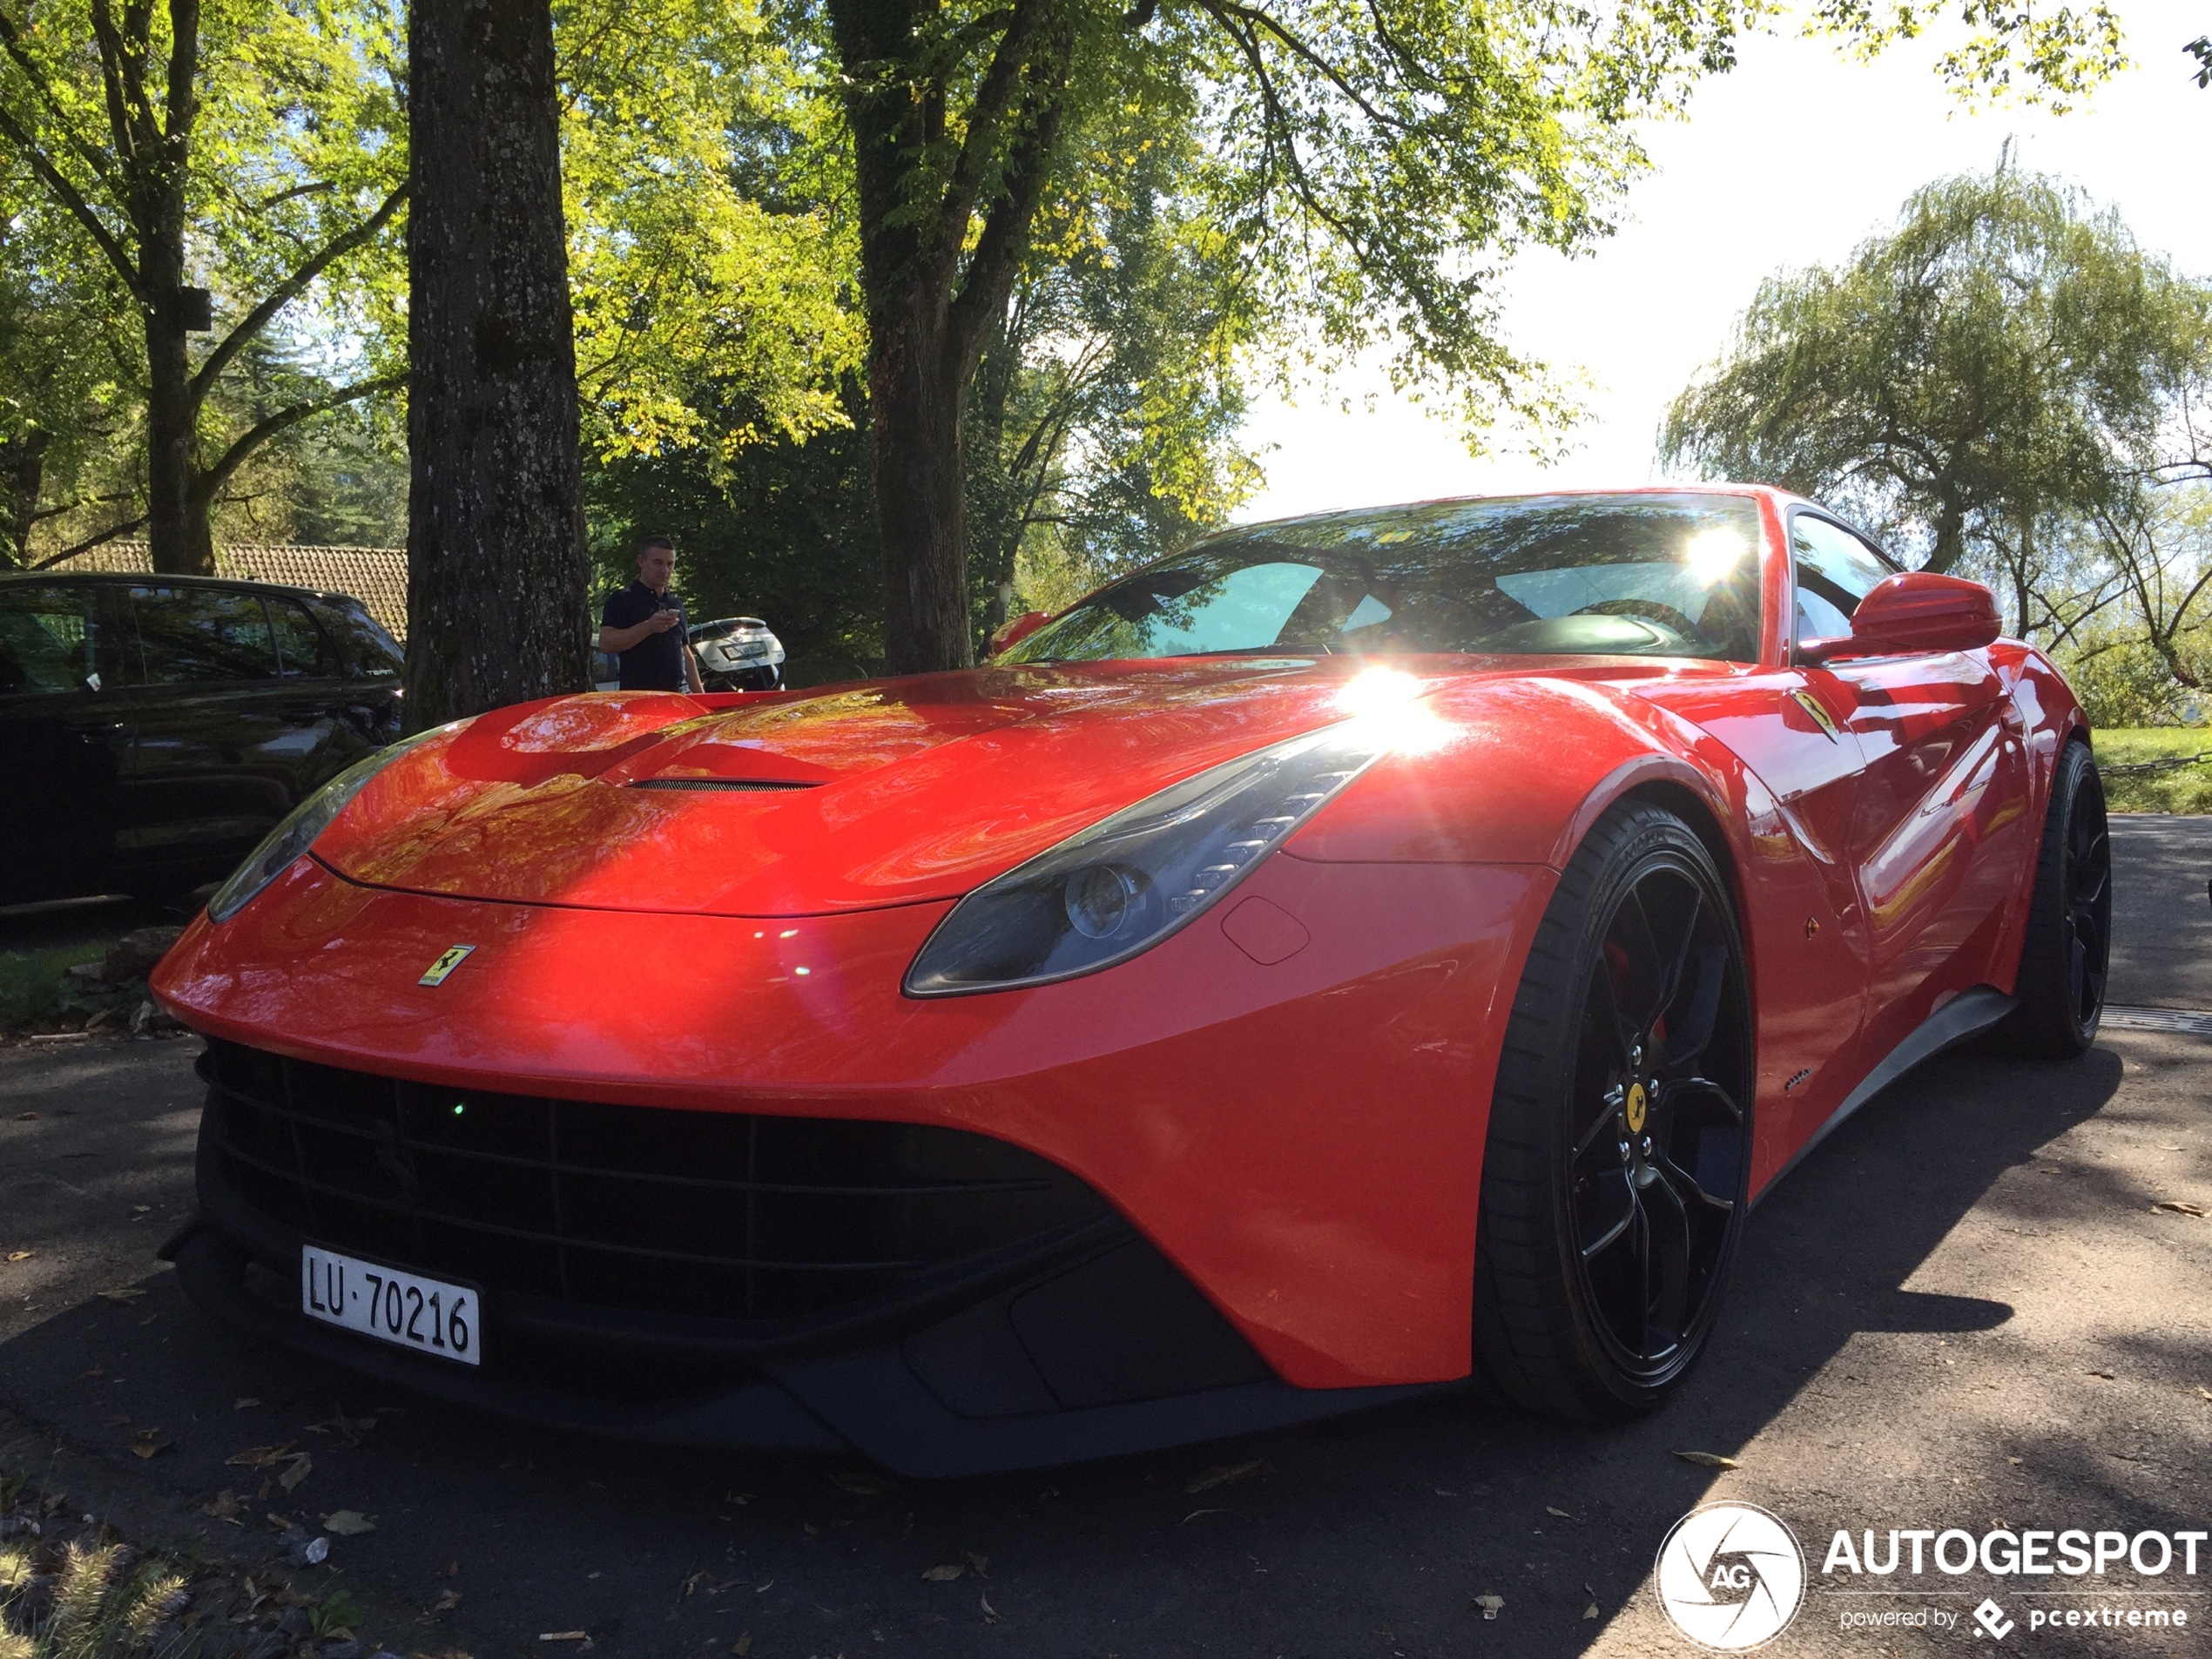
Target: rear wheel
2063,958
1614,1180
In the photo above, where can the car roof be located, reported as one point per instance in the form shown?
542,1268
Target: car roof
1698,487
220,584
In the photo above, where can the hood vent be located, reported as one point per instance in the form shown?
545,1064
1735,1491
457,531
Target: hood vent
719,783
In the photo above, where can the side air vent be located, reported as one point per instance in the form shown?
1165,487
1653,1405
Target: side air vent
716,783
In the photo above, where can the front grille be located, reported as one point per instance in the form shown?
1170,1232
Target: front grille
722,1214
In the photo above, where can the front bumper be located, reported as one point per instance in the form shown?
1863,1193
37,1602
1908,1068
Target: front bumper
1300,1137
1078,1342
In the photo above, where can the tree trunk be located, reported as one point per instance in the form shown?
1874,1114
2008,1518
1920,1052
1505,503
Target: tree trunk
177,531
916,402
23,476
496,574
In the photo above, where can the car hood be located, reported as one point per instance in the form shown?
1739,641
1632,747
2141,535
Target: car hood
893,792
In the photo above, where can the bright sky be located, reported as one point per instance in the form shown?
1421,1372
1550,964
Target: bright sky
1792,159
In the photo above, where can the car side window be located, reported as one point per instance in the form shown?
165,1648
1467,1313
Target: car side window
55,639
203,635
303,652
1834,571
369,649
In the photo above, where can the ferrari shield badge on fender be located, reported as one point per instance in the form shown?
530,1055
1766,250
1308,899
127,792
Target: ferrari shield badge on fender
441,969
1821,717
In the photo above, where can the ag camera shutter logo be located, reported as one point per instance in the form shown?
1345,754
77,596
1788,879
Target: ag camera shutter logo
1730,1576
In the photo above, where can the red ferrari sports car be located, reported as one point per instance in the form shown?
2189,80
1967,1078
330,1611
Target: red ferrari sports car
1351,956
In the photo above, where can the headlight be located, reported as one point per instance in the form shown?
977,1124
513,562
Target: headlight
308,820
1126,883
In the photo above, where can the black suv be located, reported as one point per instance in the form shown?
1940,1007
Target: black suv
155,728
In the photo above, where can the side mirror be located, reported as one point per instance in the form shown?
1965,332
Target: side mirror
1018,629
1913,613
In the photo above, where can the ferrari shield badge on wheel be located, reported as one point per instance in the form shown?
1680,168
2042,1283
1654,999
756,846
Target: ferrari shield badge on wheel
1375,953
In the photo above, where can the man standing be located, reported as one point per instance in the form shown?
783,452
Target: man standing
645,627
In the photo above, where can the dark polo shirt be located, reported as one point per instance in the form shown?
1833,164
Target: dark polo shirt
655,662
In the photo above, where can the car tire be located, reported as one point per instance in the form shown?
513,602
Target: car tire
1615,1174
2060,992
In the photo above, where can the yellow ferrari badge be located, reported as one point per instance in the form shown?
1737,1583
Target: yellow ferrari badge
1637,1108
1821,717
442,968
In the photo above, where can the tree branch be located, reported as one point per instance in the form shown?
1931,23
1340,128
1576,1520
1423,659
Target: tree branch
985,116
290,289
1256,17
262,431
11,39
71,199
1006,233
90,543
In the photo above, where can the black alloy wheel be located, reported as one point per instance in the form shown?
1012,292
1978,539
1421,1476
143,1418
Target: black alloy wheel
1615,1180
2067,949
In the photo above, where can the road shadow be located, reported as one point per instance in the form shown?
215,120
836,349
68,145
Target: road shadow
1371,1534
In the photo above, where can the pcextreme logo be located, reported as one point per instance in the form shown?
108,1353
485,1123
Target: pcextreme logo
1730,1576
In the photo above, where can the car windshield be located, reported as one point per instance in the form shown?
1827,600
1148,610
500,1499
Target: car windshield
1646,574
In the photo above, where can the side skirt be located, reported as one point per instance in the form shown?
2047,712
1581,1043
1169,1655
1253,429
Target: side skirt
1963,1017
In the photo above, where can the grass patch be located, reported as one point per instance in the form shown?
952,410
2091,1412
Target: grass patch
2177,789
35,989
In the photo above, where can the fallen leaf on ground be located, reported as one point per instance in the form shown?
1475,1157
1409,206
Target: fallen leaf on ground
145,1443
2106,1375
122,1299
2180,1207
743,1645
981,1563
261,1457
2206,1393
564,1636
243,1401
348,1523
946,1573
119,1422
1224,1475
224,1506
20,1255
1708,1459
26,1117
447,1600
351,1427
1195,1514
866,1483
1561,1513
1590,1612
990,1613
1491,1605
302,1466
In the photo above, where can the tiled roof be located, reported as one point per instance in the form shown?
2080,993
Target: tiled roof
375,575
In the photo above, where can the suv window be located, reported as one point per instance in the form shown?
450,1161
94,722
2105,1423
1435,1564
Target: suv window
54,639
200,636
369,649
302,651
1834,571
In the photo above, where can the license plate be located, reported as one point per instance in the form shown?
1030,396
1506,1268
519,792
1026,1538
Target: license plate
391,1304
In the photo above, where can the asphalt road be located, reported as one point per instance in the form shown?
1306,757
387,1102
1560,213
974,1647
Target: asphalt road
1964,1310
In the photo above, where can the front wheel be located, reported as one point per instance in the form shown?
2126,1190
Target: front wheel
1615,1178
2063,958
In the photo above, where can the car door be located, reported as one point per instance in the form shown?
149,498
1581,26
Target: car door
1803,927
1945,767
217,758
64,738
